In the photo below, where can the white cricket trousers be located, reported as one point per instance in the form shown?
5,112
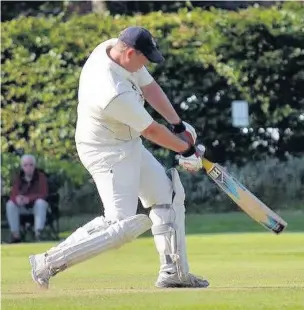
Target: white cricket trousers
14,211
124,174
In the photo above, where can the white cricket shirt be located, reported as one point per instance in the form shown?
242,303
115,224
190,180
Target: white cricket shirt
110,102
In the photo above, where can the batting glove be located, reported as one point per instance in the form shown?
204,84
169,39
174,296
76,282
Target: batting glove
191,159
186,131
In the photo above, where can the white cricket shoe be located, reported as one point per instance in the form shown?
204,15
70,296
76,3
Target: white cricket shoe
40,272
171,280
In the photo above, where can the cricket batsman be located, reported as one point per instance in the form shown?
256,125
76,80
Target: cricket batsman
113,87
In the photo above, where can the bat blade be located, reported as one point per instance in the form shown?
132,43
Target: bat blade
249,203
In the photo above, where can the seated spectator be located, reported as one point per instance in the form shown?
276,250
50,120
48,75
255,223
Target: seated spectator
28,196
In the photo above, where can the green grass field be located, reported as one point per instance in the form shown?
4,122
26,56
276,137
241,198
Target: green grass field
256,270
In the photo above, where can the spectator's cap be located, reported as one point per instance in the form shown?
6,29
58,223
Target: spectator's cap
141,39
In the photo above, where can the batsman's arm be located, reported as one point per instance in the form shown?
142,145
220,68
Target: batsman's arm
159,101
125,109
162,136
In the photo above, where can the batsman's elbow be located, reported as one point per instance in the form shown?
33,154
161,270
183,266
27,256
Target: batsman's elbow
151,131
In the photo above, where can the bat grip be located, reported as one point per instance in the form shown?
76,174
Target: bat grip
184,136
200,152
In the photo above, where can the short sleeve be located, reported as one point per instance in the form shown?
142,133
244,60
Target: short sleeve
126,109
144,77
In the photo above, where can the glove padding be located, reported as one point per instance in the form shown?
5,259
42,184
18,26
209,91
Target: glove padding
191,159
185,131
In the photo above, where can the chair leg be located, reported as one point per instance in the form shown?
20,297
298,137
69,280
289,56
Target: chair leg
28,234
23,233
55,229
52,223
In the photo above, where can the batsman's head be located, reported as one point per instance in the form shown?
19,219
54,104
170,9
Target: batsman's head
140,47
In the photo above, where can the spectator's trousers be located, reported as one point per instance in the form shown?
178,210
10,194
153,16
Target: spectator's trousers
13,212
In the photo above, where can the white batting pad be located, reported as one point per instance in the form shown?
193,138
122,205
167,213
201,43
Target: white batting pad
114,236
97,224
169,230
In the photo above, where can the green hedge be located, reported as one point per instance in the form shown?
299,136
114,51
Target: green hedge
218,56
212,57
278,184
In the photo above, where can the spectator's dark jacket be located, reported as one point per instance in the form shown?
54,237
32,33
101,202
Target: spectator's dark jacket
35,189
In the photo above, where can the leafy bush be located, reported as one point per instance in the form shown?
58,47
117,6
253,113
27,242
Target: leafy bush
212,58
278,184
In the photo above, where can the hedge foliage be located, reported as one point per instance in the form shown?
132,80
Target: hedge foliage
212,58
278,184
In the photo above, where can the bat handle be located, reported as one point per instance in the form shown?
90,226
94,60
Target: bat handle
199,151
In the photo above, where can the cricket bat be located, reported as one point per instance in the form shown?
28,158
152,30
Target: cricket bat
254,207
